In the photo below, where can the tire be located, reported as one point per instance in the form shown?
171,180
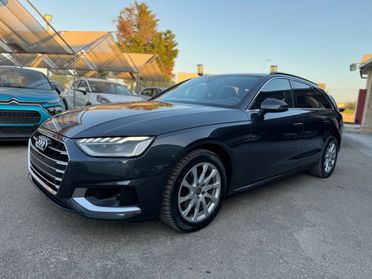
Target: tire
320,169
184,195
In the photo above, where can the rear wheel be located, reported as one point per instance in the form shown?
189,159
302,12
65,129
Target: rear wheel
194,191
327,163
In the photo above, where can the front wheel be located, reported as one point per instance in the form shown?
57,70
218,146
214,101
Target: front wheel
327,163
194,191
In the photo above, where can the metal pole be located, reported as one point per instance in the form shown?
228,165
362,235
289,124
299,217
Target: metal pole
137,83
74,80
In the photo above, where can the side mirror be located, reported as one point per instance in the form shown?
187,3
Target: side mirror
341,109
82,90
272,105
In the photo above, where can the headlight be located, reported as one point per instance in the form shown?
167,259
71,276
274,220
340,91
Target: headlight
115,147
102,99
55,101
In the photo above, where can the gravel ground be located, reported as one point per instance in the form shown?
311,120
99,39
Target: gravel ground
300,227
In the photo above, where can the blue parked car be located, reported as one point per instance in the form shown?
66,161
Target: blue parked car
27,99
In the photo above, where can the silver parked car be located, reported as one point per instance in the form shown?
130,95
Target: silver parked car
93,91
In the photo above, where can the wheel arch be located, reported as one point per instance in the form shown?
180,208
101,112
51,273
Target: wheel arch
220,149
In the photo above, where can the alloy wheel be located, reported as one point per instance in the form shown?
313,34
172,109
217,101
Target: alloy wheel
199,193
330,157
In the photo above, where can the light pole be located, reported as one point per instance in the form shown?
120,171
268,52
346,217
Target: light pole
200,69
48,19
273,68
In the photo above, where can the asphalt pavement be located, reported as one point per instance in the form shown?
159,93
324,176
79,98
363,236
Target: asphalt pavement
299,227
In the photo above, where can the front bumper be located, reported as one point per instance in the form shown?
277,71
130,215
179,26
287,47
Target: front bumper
110,189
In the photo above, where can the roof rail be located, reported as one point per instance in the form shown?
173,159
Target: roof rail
286,74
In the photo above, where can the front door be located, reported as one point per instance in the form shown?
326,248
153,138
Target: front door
275,139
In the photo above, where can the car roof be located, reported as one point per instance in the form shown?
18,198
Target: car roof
293,76
267,76
20,68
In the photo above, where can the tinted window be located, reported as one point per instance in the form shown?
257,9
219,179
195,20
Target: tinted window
109,88
148,92
20,78
308,97
321,97
226,91
277,88
84,85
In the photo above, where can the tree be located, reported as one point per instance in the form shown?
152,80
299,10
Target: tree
137,31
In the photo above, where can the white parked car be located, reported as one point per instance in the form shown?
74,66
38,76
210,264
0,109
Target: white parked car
93,91
151,92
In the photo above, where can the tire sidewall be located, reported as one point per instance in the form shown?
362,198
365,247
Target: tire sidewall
205,157
329,141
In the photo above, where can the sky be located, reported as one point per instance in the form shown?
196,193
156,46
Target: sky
315,39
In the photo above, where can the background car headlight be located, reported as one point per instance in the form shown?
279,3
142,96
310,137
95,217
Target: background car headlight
115,147
102,99
54,110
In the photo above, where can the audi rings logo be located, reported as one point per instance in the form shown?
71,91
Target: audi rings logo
42,143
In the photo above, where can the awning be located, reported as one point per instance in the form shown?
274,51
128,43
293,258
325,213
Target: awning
364,68
25,42
20,32
146,66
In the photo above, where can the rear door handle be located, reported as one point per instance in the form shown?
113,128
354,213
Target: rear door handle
327,121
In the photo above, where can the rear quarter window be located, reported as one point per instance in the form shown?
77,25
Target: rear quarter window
307,96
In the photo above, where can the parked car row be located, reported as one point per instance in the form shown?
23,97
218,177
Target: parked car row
28,98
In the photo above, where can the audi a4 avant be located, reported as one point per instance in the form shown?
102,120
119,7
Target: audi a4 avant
27,99
178,156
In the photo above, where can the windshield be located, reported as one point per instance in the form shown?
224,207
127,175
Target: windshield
21,78
226,91
109,88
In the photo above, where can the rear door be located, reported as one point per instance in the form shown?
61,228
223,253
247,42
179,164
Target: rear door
276,139
318,113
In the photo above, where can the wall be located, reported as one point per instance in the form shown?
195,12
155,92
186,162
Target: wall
367,114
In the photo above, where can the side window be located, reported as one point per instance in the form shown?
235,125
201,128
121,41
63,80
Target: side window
84,84
305,96
322,98
147,92
276,88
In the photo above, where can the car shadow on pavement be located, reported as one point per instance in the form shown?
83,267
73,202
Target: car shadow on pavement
10,144
144,231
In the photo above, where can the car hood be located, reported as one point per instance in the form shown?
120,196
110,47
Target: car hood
140,118
8,94
115,98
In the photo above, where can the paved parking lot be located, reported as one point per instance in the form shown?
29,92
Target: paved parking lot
297,228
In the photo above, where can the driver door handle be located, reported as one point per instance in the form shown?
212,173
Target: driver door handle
298,124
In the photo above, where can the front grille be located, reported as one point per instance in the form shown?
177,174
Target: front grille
17,130
19,117
49,165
